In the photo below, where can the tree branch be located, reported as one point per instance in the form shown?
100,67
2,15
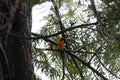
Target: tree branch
65,30
85,63
106,68
88,65
94,54
58,17
81,72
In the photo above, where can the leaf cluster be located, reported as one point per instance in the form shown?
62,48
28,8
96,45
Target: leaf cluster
90,51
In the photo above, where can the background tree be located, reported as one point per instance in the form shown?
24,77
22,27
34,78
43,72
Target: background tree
92,40
15,48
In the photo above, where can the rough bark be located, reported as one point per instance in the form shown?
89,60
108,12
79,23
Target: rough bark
18,50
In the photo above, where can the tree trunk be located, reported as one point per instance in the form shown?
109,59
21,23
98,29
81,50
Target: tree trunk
18,49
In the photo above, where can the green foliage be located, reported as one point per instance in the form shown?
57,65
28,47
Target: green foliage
91,44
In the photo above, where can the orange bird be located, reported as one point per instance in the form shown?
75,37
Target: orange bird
60,43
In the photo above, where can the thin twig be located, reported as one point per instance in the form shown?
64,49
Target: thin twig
65,30
65,50
106,68
88,65
81,72
94,54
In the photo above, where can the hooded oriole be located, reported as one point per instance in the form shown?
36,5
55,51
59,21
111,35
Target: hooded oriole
60,43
